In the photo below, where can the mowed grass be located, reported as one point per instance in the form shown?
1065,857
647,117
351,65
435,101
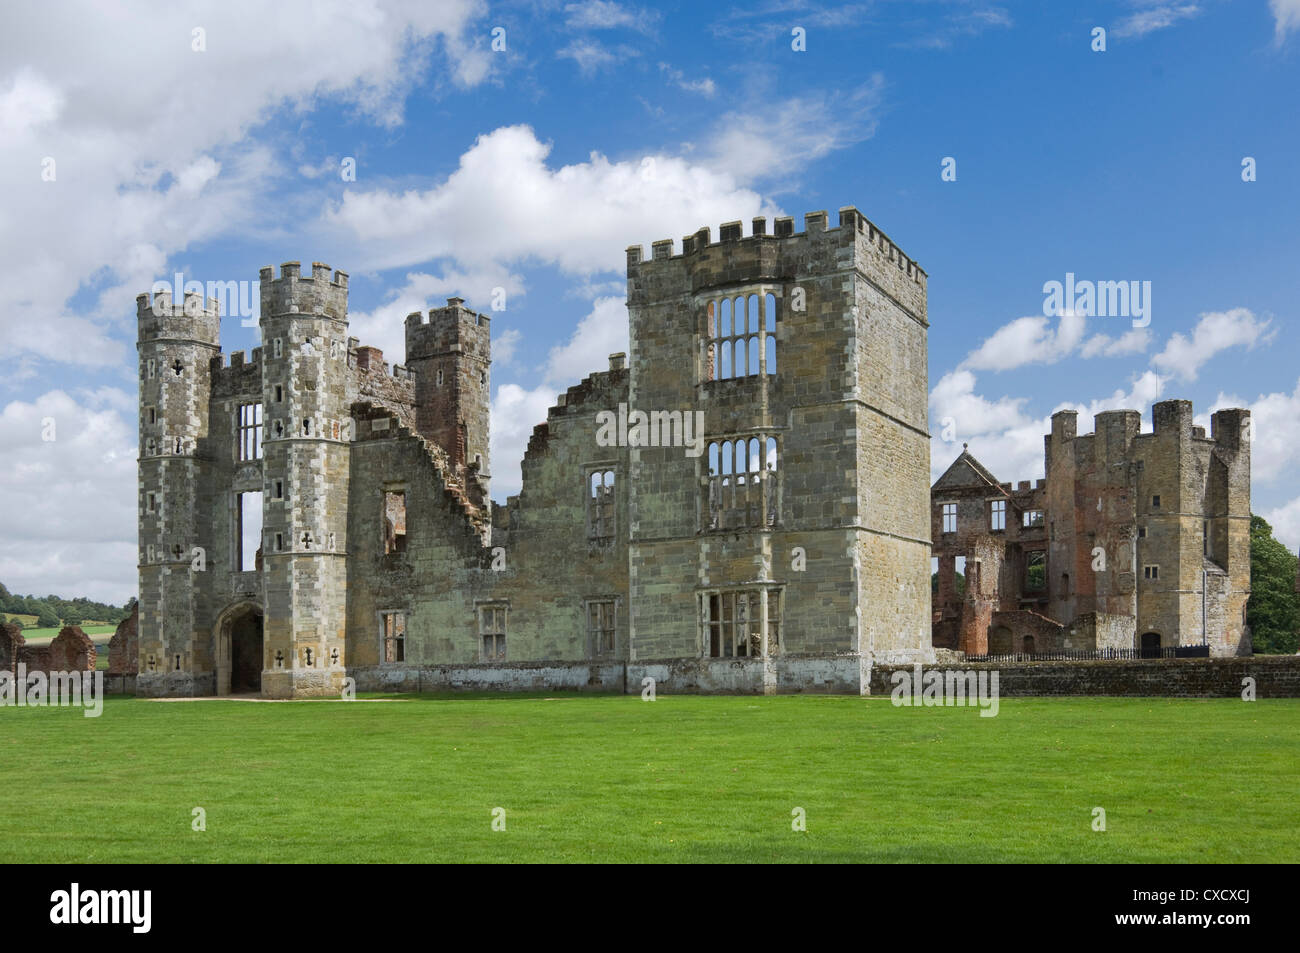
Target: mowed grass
683,778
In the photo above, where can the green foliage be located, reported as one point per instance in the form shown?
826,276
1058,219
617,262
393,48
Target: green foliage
80,609
959,584
1273,612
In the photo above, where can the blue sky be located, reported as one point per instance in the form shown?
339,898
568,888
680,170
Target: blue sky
604,124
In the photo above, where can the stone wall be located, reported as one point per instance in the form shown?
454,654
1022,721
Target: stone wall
1275,677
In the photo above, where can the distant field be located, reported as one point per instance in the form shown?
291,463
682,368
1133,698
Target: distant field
683,778
24,619
43,636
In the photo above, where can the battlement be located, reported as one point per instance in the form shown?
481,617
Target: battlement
292,293
371,360
196,319
453,328
852,223
236,360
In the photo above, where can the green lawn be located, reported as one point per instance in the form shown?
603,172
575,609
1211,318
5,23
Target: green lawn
684,778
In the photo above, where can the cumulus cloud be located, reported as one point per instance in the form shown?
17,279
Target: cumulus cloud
1028,340
504,204
1215,332
516,410
112,158
69,522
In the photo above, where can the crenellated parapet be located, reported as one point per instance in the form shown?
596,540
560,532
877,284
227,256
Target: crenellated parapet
320,293
762,256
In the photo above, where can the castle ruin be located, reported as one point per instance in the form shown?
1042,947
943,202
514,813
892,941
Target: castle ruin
738,504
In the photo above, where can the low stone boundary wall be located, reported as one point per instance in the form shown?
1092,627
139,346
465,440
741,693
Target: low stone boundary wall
1275,677
501,677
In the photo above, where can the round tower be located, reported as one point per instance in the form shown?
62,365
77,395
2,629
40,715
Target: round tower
176,342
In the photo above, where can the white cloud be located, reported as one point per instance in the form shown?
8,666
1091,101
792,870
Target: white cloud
1275,441
704,87
505,205
588,54
605,15
1156,16
1134,341
1285,520
68,513
516,410
1216,331
136,122
1286,17
1028,340
784,136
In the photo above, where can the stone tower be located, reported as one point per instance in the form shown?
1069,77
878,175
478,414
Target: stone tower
176,342
307,446
450,355
809,504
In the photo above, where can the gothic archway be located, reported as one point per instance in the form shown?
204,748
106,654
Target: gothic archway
239,649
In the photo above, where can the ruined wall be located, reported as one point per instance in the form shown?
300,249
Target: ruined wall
11,646
1274,677
124,647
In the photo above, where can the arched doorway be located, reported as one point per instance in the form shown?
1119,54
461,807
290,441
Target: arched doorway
239,649
1029,645
1151,645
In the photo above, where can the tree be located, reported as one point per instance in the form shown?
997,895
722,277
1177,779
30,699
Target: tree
46,619
1273,612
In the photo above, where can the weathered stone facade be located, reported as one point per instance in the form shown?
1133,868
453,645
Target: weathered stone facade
1134,541
740,505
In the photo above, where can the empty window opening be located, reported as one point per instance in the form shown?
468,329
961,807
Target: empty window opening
1065,585
249,531
740,335
1155,502
250,431
178,367
735,623
392,632
742,485
600,628
440,377
950,517
600,505
277,347
1151,572
1032,518
492,631
1035,571
394,521
278,492
306,426
279,542
151,504
998,515
279,428
1142,532
149,368
151,415
279,393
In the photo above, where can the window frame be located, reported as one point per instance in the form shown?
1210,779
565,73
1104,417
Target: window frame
997,508
602,640
498,635
399,638
713,344
601,505
944,515
767,639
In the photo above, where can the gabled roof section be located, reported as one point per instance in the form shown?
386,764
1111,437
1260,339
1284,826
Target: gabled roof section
965,472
